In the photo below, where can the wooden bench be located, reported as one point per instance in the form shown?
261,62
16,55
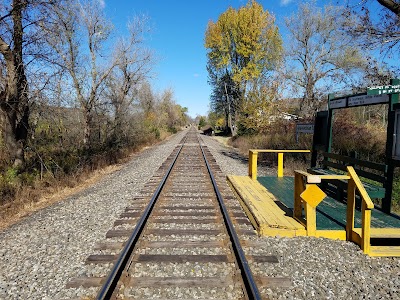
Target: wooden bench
374,174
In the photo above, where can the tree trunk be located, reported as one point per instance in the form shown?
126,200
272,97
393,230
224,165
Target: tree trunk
308,105
15,133
227,124
117,130
87,130
232,126
14,99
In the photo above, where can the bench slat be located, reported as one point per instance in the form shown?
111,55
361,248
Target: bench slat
334,165
374,191
361,173
372,176
357,162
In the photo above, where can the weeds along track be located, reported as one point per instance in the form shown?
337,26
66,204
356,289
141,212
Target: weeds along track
180,239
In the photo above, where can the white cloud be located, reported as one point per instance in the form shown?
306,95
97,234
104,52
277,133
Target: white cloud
102,3
285,2
196,75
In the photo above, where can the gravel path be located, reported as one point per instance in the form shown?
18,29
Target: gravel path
320,268
39,255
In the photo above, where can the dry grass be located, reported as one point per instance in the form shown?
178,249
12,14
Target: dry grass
30,200
291,161
224,140
25,204
291,164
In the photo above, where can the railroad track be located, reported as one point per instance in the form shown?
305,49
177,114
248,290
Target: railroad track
180,237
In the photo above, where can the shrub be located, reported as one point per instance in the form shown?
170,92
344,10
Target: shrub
368,140
280,135
8,190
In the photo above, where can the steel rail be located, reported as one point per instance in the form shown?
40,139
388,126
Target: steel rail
248,279
111,283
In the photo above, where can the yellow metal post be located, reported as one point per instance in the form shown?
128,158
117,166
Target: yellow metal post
299,188
312,196
253,164
365,228
351,201
311,218
280,164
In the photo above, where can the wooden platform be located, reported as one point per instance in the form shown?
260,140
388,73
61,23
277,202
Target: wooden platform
265,212
269,201
331,214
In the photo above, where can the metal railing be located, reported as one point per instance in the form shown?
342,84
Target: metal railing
253,156
309,195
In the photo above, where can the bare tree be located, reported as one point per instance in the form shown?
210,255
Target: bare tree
377,23
133,64
20,46
173,115
321,53
78,37
147,99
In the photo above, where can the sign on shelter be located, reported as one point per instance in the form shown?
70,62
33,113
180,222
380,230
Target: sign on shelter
305,128
383,89
358,100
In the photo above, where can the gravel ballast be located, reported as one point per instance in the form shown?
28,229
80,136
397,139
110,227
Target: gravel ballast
320,268
39,255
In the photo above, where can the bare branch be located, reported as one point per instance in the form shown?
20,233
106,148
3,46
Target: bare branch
393,6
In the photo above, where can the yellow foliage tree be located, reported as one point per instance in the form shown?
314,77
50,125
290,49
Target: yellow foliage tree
243,46
258,110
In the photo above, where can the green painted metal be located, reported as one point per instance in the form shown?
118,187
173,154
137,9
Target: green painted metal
331,214
330,126
389,161
385,89
394,98
320,137
355,100
387,201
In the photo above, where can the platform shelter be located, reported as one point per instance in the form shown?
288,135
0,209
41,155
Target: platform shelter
297,206
300,205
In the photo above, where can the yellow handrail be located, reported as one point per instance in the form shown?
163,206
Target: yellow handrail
253,155
304,181
366,207
360,187
308,193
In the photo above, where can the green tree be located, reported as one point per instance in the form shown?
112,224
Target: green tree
183,112
216,120
243,46
257,111
202,121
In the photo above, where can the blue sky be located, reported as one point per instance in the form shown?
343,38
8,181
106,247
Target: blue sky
177,37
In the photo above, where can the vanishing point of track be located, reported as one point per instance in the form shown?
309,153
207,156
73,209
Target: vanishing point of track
184,196
180,237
